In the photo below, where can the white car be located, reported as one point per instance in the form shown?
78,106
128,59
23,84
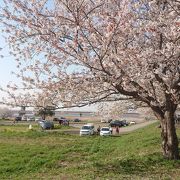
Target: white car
103,121
31,118
132,122
37,119
87,129
24,118
105,131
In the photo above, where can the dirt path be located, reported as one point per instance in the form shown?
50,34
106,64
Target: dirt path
134,127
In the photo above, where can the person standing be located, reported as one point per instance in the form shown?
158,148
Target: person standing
117,129
111,130
98,130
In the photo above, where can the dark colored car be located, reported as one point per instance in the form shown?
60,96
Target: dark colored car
76,120
55,119
63,121
46,124
116,123
125,123
18,118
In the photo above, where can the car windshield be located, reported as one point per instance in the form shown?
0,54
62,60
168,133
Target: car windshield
105,129
86,127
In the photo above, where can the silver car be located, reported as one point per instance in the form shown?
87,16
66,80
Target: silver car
87,130
46,124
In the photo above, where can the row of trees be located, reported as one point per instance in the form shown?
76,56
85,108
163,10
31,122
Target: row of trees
85,51
6,113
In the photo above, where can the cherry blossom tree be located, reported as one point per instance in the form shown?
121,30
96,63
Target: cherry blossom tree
5,113
114,110
85,51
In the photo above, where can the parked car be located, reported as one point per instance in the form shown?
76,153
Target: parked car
18,118
116,123
131,109
106,120
31,118
105,131
46,124
37,119
87,129
24,118
76,120
64,122
55,119
103,120
132,122
125,123
59,118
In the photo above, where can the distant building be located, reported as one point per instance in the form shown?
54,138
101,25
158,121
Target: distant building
57,113
74,113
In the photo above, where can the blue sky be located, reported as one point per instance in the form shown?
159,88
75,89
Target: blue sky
8,64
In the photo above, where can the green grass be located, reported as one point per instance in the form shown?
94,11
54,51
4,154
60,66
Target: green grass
34,154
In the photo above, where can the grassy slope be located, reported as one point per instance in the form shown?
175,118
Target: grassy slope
52,155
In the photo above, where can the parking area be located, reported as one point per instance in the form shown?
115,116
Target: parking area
74,127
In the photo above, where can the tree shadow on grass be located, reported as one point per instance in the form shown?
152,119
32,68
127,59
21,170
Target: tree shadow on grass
152,164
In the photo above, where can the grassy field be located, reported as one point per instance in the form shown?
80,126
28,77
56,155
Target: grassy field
34,154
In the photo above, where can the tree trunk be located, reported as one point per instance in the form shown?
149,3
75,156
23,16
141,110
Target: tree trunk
169,137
